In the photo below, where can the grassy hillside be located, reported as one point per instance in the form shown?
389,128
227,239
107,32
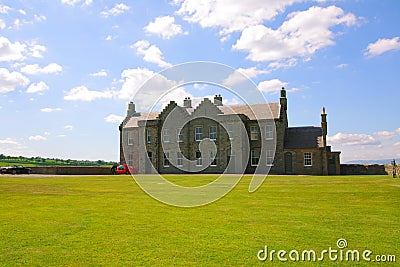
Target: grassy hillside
108,220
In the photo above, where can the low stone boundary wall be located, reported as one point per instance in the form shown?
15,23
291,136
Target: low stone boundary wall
63,170
363,169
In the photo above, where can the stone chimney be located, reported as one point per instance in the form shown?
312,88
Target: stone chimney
324,125
131,109
218,100
187,102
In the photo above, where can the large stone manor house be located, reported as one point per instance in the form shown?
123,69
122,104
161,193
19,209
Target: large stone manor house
148,145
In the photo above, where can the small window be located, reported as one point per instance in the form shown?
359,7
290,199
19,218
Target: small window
166,159
253,132
148,136
213,133
230,131
179,157
179,135
269,132
199,160
150,156
307,159
213,159
198,133
255,157
130,139
270,157
130,160
165,136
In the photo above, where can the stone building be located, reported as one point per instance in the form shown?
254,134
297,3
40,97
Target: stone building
213,138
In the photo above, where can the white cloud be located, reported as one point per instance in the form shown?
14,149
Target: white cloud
150,53
134,79
301,35
237,76
342,66
35,69
109,38
10,80
101,73
231,15
8,141
353,139
82,93
4,9
398,130
397,144
37,138
164,27
381,46
112,118
36,50
69,127
2,24
11,51
22,12
116,10
74,2
385,135
48,110
271,86
37,87
39,18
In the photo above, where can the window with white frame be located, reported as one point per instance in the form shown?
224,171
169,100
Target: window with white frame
253,132
179,157
165,136
148,136
230,131
269,132
179,135
166,159
130,160
198,133
199,160
213,133
130,138
307,159
255,157
270,157
213,159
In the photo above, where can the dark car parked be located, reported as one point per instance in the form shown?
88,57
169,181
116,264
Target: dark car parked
16,170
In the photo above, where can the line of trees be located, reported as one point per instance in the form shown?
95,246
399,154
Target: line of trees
39,161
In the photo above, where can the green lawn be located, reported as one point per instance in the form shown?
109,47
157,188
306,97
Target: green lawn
108,220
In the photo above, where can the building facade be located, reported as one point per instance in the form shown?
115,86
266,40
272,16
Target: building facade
213,138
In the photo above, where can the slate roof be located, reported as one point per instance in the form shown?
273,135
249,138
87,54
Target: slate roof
252,111
303,137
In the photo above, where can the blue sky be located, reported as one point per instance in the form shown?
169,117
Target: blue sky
68,68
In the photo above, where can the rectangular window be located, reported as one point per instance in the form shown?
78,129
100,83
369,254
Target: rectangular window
307,159
270,157
130,139
179,157
198,133
253,132
213,133
166,159
269,132
130,160
148,136
255,157
179,135
213,159
230,131
150,156
165,136
199,160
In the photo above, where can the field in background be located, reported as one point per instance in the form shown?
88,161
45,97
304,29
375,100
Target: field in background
108,220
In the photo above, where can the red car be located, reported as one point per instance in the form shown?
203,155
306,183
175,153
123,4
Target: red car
125,169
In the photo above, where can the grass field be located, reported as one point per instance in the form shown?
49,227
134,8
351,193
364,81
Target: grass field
108,220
